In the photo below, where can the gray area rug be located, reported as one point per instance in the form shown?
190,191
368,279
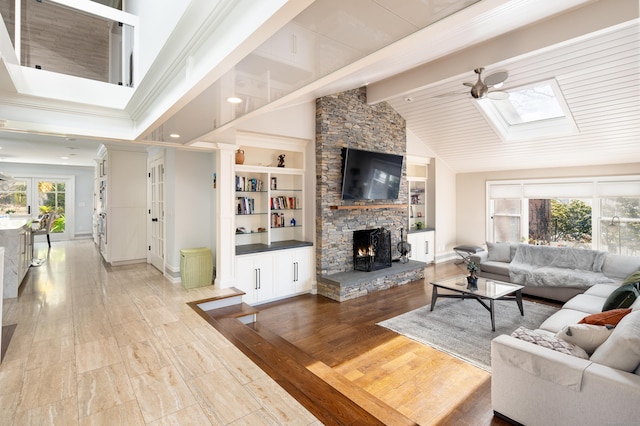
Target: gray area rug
462,328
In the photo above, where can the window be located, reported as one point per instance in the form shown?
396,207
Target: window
620,225
598,213
530,111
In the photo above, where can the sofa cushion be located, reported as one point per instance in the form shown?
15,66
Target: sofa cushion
498,268
585,303
586,336
602,290
499,252
561,318
622,349
612,317
620,266
622,297
548,341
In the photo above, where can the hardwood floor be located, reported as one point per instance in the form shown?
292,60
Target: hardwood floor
422,384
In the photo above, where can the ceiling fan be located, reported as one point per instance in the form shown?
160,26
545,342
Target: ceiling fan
481,89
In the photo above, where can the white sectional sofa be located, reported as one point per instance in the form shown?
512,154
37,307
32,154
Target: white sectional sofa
556,273
534,385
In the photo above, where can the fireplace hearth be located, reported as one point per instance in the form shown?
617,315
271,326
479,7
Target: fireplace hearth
371,249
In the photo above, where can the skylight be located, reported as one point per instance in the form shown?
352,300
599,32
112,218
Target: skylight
530,111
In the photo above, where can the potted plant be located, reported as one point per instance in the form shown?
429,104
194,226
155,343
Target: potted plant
472,279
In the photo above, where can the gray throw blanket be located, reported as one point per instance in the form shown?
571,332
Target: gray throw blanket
557,266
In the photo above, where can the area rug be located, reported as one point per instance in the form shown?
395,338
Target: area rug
462,328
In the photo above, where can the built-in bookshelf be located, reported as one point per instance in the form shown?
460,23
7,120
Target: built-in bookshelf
269,200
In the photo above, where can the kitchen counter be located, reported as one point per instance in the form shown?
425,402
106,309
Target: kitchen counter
15,237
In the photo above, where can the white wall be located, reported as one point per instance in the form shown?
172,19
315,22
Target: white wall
84,177
471,217
441,199
157,19
298,122
189,191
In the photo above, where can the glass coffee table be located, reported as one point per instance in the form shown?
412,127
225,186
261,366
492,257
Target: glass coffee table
487,289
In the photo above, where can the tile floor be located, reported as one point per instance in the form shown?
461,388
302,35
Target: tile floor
101,345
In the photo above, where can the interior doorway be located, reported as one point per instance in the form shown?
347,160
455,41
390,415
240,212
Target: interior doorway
156,212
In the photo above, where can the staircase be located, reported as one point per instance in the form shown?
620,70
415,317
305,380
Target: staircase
229,306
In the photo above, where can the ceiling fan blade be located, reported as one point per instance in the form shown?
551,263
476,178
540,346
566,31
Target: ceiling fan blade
496,78
468,84
498,95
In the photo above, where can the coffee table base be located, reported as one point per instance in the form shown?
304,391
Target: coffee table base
517,297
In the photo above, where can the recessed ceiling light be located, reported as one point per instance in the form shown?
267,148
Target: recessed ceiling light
64,158
234,100
408,99
174,135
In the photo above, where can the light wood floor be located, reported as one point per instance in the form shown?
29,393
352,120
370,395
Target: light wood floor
104,345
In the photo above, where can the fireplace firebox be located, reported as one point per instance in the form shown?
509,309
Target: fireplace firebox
371,249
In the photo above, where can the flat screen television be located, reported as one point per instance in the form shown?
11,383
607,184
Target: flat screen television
368,175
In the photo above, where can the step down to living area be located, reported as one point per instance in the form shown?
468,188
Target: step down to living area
229,306
331,397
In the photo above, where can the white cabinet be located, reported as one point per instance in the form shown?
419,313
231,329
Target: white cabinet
422,245
122,205
254,276
295,271
274,274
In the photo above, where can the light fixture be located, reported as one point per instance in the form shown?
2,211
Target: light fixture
234,100
64,158
174,135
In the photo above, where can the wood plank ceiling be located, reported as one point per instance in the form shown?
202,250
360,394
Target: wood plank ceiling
599,77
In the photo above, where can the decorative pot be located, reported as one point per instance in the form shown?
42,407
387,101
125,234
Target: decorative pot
472,282
239,156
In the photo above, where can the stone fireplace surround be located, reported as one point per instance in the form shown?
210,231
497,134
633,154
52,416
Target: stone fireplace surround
346,120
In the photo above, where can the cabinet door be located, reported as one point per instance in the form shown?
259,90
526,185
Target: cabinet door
430,241
246,278
263,265
304,270
417,241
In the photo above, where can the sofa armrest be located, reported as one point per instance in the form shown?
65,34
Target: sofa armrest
479,257
605,395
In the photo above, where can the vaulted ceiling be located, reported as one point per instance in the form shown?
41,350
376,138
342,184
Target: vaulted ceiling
591,48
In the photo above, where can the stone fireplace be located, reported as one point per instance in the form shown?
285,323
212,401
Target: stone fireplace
346,120
371,249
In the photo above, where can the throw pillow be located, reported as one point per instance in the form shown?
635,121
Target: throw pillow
549,342
611,317
622,349
633,278
499,252
586,336
622,297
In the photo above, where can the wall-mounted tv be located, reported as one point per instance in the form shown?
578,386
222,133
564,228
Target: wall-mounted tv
368,175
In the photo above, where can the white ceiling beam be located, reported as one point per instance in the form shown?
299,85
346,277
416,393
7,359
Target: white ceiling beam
558,29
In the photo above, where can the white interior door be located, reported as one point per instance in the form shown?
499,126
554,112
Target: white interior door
156,212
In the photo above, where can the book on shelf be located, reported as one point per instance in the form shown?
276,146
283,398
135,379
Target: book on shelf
283,203
245,205
247,184
277,220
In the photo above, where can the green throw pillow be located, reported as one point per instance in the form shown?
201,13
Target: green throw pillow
622,297
633,278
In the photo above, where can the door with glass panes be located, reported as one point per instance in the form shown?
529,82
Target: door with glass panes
34,196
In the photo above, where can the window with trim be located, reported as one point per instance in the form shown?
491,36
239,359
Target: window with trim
598,213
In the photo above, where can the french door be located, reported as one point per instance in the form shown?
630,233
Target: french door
156,212
34,196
